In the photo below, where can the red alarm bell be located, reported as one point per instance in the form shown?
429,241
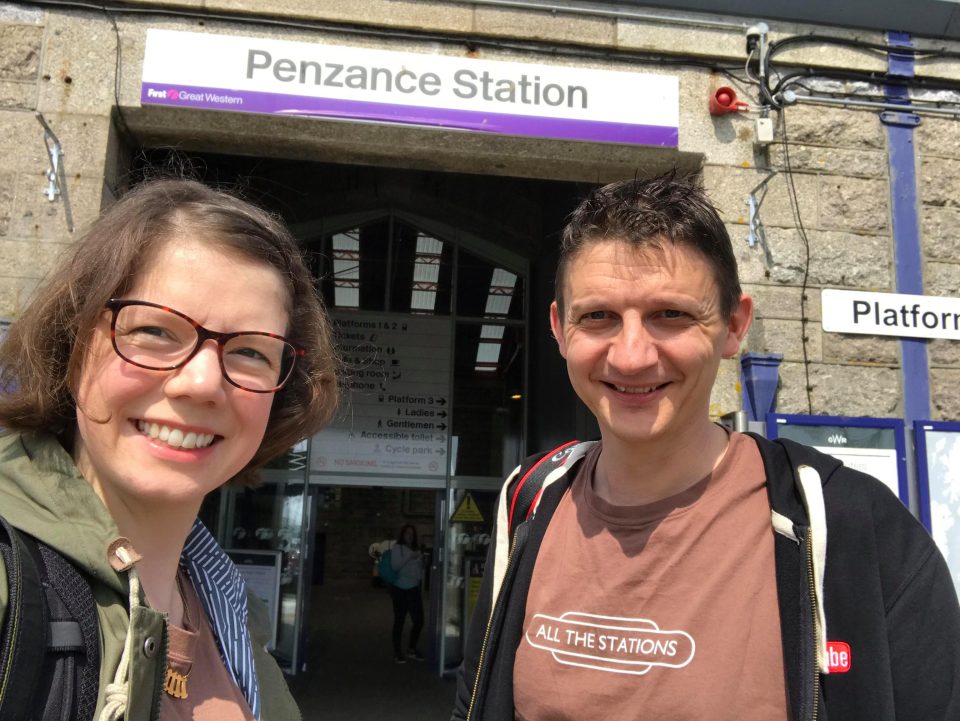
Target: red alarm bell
724,100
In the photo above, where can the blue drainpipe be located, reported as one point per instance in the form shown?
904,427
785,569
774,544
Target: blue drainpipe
904,203
760,379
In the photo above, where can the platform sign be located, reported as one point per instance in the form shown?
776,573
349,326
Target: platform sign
394,419
892,314
874,446
938,487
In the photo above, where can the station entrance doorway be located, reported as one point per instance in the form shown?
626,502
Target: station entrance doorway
428,278
308,550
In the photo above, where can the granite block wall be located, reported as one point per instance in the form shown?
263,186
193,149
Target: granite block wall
81,68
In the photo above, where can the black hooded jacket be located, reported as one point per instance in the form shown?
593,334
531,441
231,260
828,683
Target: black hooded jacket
886,591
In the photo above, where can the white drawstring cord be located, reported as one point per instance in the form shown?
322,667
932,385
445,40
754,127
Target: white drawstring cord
812,489
115,694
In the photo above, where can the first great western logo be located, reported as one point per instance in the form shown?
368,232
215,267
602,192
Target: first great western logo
192,96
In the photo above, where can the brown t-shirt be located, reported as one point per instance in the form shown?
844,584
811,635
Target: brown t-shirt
664,611
212,694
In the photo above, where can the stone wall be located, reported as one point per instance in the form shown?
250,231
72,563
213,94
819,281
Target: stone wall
839,162
938,145
839,172
62,63
60,67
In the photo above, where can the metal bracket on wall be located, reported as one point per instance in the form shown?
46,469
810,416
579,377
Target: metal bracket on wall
755,232
56,176
900,119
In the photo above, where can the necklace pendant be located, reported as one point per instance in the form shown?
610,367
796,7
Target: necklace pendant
175,684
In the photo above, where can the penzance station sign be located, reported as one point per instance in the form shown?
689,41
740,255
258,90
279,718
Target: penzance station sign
280,77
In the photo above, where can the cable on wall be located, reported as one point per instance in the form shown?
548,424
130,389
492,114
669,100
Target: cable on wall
795,207
779,94
122,124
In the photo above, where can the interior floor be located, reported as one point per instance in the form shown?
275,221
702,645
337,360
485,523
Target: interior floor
351,674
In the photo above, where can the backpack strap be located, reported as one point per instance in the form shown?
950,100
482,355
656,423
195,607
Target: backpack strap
50,647
524,492
72,672
520,498
23,645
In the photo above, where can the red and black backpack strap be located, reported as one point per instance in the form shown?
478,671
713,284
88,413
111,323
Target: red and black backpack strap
525,489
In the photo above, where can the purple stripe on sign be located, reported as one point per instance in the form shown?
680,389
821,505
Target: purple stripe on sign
247,101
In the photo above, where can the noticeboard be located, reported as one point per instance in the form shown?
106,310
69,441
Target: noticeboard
261,572
938,487
875,446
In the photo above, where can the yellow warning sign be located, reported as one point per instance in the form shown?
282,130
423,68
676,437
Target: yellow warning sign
467,511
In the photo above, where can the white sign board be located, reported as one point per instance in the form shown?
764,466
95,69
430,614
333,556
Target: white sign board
263,75
395,417
893,314
943,493
871,446
881,463
261,572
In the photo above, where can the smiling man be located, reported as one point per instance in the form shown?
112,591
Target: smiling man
674,570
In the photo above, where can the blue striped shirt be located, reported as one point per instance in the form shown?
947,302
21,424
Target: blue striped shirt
223,593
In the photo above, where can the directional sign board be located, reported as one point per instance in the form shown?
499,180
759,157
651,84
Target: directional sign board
394,418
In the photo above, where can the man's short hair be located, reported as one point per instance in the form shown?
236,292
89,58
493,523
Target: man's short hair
646,213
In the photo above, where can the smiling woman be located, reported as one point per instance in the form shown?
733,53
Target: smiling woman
181,345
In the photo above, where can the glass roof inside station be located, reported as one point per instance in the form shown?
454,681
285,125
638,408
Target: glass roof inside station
391,265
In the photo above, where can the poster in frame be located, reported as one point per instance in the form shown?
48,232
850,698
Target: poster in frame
261,570
876,446
938,487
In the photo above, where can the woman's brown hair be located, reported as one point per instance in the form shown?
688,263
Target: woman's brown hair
41,357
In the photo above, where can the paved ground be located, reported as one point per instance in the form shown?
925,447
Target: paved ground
351,675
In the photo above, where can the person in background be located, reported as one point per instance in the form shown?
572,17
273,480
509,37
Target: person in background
407,560
180,345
